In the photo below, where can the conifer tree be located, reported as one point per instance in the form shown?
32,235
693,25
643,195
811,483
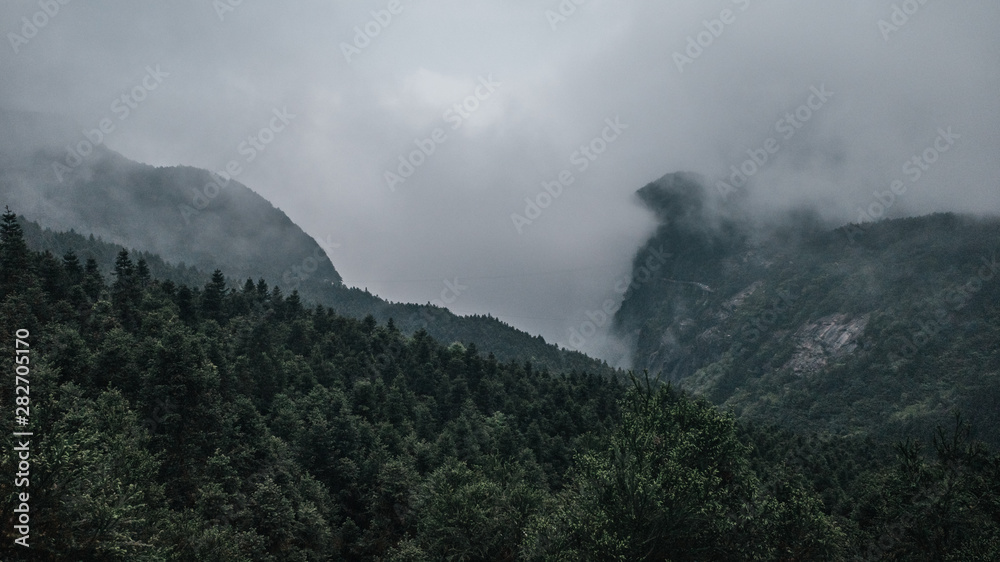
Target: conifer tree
185,304
93,281
125,292
53,277
215,290
142,272
124,268
73,268
293,303
13,254
262,290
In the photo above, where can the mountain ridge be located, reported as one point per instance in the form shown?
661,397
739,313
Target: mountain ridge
142,207
830,329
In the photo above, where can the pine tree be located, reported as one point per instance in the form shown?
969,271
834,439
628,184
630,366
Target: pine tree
293,304
124,269
277,302
142,272
125,292
13,254
93,282
262,290
243,301
368,324
71,264
168,287
185,303
215,290
54,279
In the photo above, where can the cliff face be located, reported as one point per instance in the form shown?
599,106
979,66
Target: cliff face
827,339
795,322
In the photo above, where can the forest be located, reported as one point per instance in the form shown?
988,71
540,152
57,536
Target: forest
885,329
230,421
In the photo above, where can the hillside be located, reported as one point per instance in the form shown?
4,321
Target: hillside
155,210
881,329
216,423
179,213
505,341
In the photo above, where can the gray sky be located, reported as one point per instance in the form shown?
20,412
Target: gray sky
554,83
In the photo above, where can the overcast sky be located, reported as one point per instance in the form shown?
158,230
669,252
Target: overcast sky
547,85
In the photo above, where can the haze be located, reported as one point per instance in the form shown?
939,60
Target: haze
546,86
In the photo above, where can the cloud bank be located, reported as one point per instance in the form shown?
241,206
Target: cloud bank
497,109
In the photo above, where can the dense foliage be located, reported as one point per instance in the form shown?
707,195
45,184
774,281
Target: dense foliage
236,423
884,329
503,340
184,216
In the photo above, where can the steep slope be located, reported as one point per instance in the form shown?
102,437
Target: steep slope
491,334
882,329
104,254
161,210
198,423
167,212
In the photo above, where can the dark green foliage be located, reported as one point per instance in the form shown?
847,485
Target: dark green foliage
13,253
211,423
922,294
942,506
179,213
215,291
675,484
183,215
505,341
214,424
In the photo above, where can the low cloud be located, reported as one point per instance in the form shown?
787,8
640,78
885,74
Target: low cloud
894,89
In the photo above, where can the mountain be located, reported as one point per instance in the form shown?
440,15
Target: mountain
883,329
183,216
171,422
177,415
166,211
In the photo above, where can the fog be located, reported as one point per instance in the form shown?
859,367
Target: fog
833,99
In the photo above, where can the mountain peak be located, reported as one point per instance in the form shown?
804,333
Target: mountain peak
184,214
